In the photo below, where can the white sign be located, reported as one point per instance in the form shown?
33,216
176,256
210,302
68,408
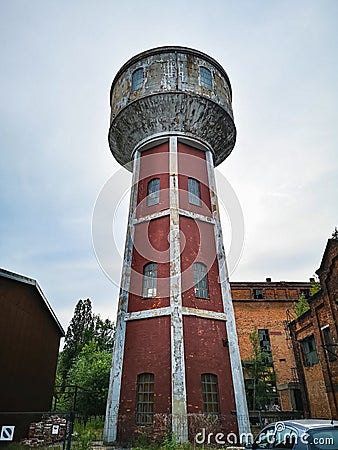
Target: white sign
7,432
55,429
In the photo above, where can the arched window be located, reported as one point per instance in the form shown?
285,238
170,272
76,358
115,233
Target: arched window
194,192
145,398
200,280
205,78
149,280
137,80
153,192
210,393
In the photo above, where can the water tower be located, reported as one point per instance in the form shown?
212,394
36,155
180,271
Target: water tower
176,359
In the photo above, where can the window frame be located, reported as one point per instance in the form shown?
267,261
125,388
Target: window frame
153,191
201,285
144,410
136,79
194,191
328,343
210,394
149,282
258,294
205,78
310,356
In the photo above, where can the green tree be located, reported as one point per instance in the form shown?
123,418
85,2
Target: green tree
301,305
90,373
84,328
103,333
79,332
260,377
315,287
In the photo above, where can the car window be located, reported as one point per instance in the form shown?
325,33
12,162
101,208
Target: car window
276,437
265,439
323,439
285,438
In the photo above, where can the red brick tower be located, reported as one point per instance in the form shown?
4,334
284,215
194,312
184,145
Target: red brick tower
176,361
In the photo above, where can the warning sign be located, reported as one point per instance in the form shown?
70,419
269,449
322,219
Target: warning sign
55,429
7,432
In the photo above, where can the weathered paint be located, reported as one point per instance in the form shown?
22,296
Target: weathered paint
147,349
195,216
179,396
113,400
152,216
203,313
148,313
171,99
166,212
236,365
167,311
170,105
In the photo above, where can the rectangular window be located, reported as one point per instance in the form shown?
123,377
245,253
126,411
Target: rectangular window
258,293
210,393
145,398
305,292
201,280
329,344
137,80
264,341
310,355
149,280
194,192
153,192
205,78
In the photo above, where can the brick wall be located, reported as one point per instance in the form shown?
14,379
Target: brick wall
270,313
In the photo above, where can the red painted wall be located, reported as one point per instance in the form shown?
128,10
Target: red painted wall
192,163
199,247
147,346
147,349
150,244
205,353
154,164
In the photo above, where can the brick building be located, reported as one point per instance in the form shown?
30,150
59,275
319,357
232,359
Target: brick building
264,305
315,338
30,336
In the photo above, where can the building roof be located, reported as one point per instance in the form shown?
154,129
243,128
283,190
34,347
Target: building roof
253,284
331,246
30,281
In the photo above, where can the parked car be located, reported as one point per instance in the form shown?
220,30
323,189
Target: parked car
307,434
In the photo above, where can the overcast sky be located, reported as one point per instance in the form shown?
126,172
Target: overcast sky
58,59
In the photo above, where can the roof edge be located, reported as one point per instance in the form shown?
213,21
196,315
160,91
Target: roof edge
31,281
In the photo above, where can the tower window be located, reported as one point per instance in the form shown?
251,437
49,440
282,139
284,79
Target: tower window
149,280
137,80
194,192
310,354
205,78
210,393
200,280
145,398
153,192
